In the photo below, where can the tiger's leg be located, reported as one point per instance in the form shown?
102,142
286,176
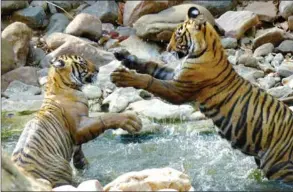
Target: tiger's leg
282,171
145,67
79,160
170,90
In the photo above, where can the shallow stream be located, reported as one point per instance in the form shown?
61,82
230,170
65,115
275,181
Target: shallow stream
209,160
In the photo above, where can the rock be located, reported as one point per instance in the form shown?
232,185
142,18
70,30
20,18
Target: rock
236,23
90,185
160,26
65,188
32,16
57,23
279,58
42,76
150,180
269,58
197,116
27,75
121,98
285,69
7,56
280,92
286,9
248,61
104,81
266,11
274,36
7,7
133,10
19,35
17,88
67,5
125,31
229,43
159,110
246,40
108,27
286,46
92,91
98,56
22,103
288,81
85,25
55,40
35,55
290,23
42,4
263,50
142,49
111,43
106,11
248,73
267,68
232,59
266,82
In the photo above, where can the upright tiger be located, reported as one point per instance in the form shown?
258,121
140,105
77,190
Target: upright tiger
58,129
253,121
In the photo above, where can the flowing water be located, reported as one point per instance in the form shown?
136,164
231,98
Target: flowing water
206,158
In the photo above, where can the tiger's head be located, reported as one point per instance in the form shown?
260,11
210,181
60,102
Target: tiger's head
189,37
72,71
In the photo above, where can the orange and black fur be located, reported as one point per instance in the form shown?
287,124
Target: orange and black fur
253,121
58,129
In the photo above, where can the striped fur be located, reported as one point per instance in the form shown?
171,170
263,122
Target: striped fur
253,121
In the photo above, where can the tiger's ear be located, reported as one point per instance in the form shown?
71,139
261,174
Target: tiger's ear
58,63
193,12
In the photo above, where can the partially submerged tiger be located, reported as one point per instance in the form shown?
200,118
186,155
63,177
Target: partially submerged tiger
55,134
253,121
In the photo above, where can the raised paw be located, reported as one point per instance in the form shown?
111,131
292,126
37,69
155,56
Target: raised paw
123,77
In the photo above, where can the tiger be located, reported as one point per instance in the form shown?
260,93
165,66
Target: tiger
253,121
55,134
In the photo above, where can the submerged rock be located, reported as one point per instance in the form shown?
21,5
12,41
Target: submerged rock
151,180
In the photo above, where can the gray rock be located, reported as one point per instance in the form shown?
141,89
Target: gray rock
96,55
248,73
32,16
236,23
104,81
229,43
7,7
217,8
160,26
246,40
266,67
260,59
58,22
108,27
269,58
286,46
288,81
92,91
230,52
279,57
67,5
35,55
280,92
232,59
121,98
43,72
285,69
23,103
266,82
42,4
264,50
85,25
111,43
7,56
248,61
107,11
19,35
286,9
125,31
17,88
275,63
265,11
27,75
159,110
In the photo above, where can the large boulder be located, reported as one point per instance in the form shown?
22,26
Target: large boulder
286,9
17,88
7,7
106,11
266,11
7,56
34,17
22,103
19,35
160,26
236,23
151,180
133,10
286,47
57,23
96,55
85,25
27,75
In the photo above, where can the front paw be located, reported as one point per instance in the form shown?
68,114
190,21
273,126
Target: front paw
130,122
123,77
